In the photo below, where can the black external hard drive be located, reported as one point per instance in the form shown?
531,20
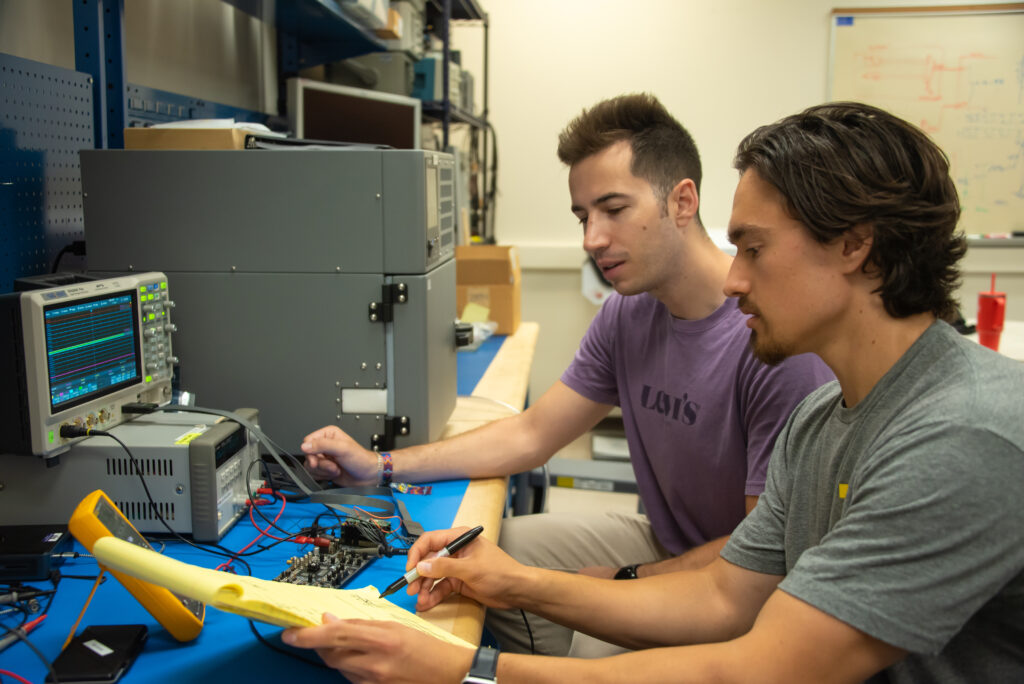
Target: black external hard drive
30,552
100,654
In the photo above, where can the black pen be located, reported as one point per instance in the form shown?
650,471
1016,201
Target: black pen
448,550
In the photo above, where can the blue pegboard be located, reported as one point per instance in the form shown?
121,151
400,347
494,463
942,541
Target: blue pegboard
46,117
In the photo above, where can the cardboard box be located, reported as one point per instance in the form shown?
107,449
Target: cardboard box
393,31
184,138
489,276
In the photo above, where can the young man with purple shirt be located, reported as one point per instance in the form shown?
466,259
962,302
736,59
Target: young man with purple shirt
700,413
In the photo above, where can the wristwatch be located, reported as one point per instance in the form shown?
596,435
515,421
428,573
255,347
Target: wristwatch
627,572
485,667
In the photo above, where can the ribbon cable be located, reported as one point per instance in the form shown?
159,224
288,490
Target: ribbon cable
364,497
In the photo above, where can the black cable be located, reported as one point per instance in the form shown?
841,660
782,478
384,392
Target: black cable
16,593
290,654
77,248
370,531
491,194
216,549
32,595
252,499
528,631
329,511
91,578
271,446
39,654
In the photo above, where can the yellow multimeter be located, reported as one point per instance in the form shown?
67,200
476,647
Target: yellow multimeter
97,516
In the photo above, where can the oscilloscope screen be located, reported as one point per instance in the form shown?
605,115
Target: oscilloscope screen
92,348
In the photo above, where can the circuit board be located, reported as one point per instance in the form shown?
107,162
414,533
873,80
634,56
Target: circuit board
332,566
335,565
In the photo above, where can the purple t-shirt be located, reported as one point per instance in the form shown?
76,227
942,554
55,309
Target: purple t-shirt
700,412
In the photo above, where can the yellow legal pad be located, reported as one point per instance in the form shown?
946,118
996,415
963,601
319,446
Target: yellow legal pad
276,603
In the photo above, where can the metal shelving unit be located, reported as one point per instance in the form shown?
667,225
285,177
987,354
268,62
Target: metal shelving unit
315,32
310,33
440,14
38,155
99,52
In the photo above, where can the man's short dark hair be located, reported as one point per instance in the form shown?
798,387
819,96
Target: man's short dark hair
846,164
663,151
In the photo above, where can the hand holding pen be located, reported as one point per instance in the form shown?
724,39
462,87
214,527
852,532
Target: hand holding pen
449,549
481,571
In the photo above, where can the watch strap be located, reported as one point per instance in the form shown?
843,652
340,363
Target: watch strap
627,572
484,668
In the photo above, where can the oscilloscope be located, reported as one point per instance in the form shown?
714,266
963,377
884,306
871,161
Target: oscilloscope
76,354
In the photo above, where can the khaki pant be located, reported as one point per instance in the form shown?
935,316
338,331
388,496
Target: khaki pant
568,542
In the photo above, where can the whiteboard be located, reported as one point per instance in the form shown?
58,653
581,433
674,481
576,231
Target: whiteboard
959,75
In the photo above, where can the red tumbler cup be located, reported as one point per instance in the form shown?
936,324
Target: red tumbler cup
991,311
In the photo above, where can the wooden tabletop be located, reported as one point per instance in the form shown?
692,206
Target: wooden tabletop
501,392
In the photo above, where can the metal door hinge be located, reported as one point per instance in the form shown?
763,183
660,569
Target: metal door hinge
384,310
394,426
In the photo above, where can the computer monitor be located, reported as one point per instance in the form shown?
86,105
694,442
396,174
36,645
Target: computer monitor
76,354
324,111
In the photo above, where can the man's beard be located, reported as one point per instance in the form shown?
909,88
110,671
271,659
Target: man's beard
768,352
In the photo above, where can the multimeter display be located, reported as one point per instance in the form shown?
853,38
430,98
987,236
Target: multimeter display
118,526
113,520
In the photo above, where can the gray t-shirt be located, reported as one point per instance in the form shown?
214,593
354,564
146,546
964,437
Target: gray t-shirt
700,412
903,516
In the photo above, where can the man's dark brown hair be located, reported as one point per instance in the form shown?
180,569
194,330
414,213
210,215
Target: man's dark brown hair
663,151
843,165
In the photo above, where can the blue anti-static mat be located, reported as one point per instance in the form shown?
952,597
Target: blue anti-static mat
472,365
226,650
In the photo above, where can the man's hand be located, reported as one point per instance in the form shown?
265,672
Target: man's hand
381,651
333,455
480,570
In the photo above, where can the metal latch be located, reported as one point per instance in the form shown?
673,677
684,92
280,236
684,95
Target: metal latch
393,426
383,311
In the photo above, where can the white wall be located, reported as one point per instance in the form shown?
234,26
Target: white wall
723,67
